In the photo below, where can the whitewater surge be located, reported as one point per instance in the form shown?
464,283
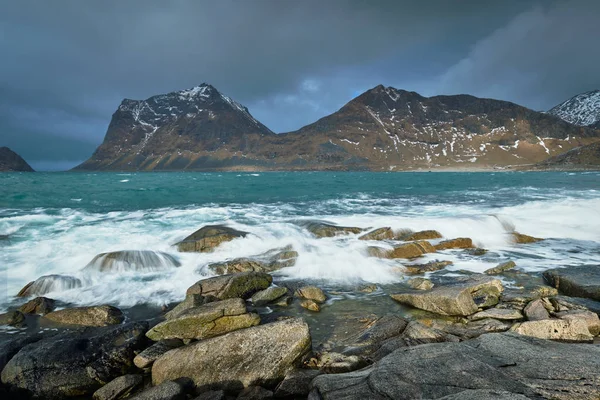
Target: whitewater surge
69,241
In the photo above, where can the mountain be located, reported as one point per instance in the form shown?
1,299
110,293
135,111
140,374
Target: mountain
12,162
583,109
187,129
382,129
584,157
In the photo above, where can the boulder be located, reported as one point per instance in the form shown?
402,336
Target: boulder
242,285
296,384
147,357
39,305
380,330
507,314
132,260
379,234
379,252
335,363
524,296
87,316
268,295
8,348
311,293
240,265
208,237
261,355
497,362
566,303
519,238
75,364
451,299
310,305
206,321
431,266
476,251
578,281
190,301
13,318
168,390
411,250
49,283
575,330
420,283
119,387
458,243
421,235
255,393
590,318
535,311
212,395
500,268
323,229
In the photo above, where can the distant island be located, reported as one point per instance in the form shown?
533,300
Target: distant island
383,129
12,162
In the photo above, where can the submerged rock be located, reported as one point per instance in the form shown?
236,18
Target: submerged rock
379,234
451,299
311,293
458,243
75,364
132,260
578,281
261,355
206,321
87,316
49,283
421,235
500,268
323,229
495,362
575,330
242,285
208,237
39,305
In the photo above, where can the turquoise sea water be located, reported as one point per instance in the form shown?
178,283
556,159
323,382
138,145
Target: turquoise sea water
55,223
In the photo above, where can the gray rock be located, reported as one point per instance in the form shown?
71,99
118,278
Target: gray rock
132,260
335,363
39,305
535,311
323,229
261,354
500,268
75,364
574,330
498,313
565,303
431,266
13,318
190,301
268,295
168,390
49,283
212,395
206,321
420,283
451,299
119,387
579,281
208,237
87,316
147,357
485,394
296,384
8,348
474,329
242,285
496,362
255,393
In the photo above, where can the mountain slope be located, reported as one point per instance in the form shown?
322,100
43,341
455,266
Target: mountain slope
382,129
12,162
584,157
175,130
583,109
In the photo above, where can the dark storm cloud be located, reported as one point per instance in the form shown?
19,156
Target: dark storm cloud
67,64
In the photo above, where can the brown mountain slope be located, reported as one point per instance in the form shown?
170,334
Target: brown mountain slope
12,162
382,129
584,157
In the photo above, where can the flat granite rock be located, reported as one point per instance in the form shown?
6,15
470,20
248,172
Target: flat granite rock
579,281
501,362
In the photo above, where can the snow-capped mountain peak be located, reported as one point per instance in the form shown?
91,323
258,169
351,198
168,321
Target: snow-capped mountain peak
583,109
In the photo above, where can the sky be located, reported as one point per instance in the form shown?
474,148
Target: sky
67,64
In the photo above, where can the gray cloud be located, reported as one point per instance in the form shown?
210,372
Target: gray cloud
67,64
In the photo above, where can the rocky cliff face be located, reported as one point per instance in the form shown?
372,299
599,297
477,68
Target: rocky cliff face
11,161
583,109
382,129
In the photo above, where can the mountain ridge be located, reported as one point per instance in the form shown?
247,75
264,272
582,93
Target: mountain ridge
582,109
383,128
12,162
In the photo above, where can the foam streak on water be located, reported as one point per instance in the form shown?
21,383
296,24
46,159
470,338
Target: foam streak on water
54,234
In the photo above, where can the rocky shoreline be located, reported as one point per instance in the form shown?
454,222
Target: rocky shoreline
246,334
